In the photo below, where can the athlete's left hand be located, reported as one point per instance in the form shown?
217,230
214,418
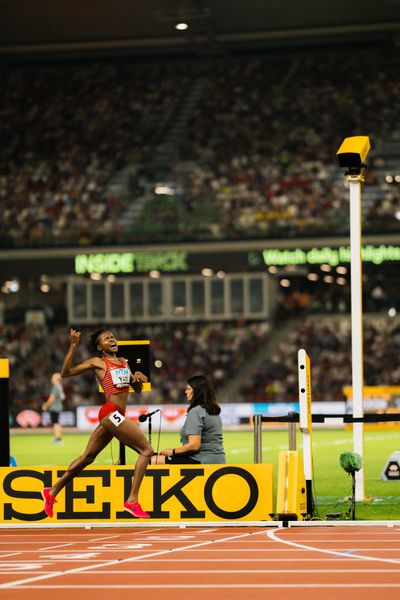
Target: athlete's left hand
139,376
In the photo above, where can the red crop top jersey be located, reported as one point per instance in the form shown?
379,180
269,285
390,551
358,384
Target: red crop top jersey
117,377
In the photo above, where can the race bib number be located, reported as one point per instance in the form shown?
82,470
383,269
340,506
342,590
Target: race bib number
116,418
120,377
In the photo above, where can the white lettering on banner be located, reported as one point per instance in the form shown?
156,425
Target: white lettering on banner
116,418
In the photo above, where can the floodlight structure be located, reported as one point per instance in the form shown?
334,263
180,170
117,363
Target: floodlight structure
351,155
353,152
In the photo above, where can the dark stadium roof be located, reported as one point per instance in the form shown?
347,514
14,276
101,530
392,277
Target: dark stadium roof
42,26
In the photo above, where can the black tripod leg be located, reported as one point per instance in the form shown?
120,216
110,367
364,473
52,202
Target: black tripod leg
353,497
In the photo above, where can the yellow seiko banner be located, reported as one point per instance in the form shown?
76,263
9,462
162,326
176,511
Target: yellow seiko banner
168,493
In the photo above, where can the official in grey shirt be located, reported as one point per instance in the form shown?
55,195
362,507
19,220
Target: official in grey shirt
201,434
54,405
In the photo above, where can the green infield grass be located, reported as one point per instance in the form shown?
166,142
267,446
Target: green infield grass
332,485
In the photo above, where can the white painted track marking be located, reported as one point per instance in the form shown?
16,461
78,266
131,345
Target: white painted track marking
72,556
54,546
20,566
239,551
271,534
205,531
342,560
231,571
212,586
168,538
119,546
17,584
107,537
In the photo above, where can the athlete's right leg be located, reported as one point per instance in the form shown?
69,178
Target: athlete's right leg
99,439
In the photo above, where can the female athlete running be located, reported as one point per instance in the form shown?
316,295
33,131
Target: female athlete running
114,375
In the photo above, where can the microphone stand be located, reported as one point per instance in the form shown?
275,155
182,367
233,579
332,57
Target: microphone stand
149,430
122,456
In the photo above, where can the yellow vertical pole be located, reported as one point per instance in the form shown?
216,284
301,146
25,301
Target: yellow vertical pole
4,413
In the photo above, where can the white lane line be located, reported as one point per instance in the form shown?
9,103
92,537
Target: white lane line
159,539
82,538
9,554
231,571
340,531
377,538
188,586
56,546
271,534
14,572
15,562
342,560
264,550
39,533
274,550
230,550
101,539
346,541
327,541
16,584
15,542
133,533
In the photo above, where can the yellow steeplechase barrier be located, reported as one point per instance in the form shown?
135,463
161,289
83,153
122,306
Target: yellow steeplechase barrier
305,403
291,504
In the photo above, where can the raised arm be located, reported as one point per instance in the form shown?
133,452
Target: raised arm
67,370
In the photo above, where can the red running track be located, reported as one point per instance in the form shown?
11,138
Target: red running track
176,564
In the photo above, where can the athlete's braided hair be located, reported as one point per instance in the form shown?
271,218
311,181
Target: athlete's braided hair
94,340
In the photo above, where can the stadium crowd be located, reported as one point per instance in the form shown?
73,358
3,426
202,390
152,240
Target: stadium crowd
259,147
264,166
328,344
222,350
255,159
64,133
178,351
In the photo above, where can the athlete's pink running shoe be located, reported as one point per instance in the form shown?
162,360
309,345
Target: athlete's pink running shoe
49,502
136,510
